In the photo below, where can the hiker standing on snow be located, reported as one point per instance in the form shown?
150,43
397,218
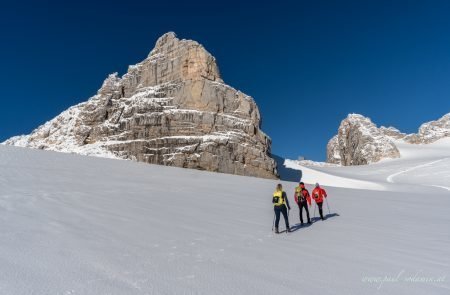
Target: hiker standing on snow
280,205
319,194
302,198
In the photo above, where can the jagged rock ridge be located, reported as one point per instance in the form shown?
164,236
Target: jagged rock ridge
360,142
173,109
431,131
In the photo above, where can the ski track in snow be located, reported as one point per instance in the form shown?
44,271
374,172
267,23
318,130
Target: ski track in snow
419,168
441,186
390,178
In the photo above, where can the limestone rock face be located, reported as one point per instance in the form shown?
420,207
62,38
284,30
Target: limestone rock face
173,108
359,142
431,131
333,151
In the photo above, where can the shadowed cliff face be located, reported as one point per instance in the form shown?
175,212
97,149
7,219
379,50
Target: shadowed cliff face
287,174
172,108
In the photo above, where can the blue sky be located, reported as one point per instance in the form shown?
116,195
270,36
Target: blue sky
307,63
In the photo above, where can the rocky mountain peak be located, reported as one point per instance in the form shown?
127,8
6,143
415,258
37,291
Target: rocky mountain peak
431,131
357,117
166,40
186,57
173,109
359,142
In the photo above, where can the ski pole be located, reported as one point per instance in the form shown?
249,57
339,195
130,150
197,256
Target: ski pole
315,205
287,229
328,206
273,223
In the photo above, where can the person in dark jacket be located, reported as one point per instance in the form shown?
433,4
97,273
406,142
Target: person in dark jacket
280,205
302,198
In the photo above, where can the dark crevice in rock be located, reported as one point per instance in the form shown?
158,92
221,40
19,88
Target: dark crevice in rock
120,115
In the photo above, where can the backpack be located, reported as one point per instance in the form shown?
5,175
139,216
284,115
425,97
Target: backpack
302,197
278,198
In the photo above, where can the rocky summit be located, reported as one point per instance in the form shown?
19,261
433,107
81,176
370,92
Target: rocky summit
431,131
173,108
359,141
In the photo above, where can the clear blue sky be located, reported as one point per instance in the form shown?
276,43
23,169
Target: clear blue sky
307,63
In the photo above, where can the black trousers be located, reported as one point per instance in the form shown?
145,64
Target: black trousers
281,209
302,205
320,210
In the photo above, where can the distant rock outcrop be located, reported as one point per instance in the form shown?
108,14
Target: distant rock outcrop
359,142
173,109
431,131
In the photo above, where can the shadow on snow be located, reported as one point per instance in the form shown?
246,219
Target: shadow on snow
299,226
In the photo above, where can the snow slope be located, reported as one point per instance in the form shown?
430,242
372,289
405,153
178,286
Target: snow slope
420,166
71,224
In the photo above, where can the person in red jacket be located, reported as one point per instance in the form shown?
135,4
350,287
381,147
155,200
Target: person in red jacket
302,198
318,195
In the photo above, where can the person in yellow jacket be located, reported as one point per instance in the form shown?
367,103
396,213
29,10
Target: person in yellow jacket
280,205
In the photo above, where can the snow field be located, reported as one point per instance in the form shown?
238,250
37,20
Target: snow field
72,224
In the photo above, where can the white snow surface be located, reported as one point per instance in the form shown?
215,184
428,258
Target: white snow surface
428,163
72,224
309,163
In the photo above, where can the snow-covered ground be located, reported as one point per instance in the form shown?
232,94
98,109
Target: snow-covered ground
71,224
420,166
